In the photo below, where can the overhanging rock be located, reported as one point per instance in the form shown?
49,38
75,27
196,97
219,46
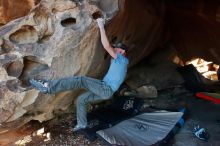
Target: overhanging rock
60,38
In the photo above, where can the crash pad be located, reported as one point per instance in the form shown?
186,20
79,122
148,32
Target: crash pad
142,130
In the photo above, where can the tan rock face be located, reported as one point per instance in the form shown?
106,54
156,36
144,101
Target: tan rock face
11,9
53,35
60,38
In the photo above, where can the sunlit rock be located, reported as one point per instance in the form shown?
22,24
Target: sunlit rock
60,38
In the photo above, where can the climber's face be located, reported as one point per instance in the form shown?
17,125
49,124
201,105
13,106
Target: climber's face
121,51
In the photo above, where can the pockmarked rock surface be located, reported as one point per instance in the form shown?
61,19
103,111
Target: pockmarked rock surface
51,39
11,9
60,38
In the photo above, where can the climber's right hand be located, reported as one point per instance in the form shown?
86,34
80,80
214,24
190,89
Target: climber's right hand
100,22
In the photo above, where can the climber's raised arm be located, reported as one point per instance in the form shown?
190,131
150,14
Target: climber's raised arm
104,39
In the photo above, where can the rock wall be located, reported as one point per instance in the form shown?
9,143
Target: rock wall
194,28
60,38
12,9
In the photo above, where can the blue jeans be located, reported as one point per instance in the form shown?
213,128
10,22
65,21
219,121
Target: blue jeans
97,90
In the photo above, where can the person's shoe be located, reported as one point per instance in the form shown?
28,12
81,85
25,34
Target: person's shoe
201,133
78,127
40,85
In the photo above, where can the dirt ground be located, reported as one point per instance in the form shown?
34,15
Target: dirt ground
60,134
200,112
205,114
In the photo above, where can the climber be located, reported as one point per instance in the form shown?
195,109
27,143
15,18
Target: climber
97,90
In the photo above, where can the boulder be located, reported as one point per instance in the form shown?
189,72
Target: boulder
60,38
